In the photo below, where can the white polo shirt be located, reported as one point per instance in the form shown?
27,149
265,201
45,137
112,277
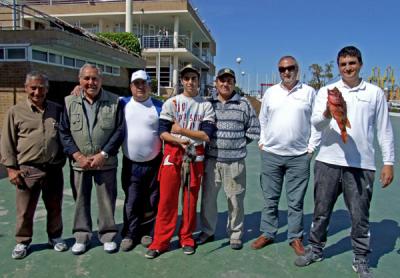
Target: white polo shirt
285,119
367,111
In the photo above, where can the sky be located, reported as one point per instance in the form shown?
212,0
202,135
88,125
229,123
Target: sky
313,31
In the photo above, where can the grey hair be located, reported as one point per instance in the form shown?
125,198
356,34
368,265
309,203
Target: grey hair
91,66
288,57
37,75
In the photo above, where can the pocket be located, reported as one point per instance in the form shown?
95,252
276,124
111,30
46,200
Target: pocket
107,121
234,179
76,122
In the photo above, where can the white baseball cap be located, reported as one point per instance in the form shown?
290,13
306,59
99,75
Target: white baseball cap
140,74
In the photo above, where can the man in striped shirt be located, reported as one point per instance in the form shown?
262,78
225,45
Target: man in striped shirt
237,125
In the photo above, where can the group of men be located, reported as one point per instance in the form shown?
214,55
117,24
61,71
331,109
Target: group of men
204,144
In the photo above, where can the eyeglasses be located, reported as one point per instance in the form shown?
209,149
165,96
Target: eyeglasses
289,68
352,63
187,78
139,82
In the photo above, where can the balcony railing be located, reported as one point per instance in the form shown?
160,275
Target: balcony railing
165,42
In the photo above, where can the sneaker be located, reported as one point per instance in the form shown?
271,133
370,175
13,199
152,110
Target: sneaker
79,248
126,244
152,253
110,247
236,244
309,257
58,244
361,267
188,250
146,241
20,251
204,238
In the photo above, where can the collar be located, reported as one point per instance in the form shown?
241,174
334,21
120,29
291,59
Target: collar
298,86
234,97
98,97
34,108
361,86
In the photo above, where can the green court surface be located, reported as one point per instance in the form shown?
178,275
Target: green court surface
215,259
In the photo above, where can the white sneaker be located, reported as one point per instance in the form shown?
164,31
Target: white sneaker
78,248
110,247
58,244
20,251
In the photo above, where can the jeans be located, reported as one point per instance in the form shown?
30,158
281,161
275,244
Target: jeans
295,170
356,185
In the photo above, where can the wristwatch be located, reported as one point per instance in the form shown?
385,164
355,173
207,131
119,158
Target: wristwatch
104,154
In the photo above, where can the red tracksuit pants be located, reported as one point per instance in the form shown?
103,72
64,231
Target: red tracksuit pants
170,184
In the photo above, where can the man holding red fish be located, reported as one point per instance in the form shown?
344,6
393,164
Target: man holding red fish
345,163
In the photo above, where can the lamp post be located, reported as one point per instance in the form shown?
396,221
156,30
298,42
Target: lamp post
238,61
242,82
159,38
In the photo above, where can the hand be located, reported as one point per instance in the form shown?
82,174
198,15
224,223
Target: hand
15,177
386,175
83,161
261,146
97,161
76,91
176,128
183,142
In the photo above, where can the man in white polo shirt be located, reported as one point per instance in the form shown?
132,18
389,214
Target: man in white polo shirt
287,141
142,158
349,168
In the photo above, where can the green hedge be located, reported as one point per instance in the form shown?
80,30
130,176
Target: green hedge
124,39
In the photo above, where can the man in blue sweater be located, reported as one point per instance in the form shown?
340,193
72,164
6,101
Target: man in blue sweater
237,125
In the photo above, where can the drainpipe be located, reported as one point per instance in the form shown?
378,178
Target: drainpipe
128,16
14,15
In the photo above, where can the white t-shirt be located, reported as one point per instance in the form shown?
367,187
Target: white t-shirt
142,142
189,112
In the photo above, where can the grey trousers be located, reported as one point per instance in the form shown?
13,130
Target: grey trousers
356,185
295,170
106,190
232,176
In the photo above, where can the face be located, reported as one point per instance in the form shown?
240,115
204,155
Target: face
140,90
36,90
349,68
90,81
190,82
288,70
225,85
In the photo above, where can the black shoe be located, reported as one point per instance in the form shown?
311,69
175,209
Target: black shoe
308,258
151,253
188,250
360,265
204,238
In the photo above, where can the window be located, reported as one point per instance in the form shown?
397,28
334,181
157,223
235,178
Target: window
79,63
100,66
68,61
1,53
108,69
16,53
115,70
39,55
55,59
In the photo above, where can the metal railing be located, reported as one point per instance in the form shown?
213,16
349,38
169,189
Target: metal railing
165,42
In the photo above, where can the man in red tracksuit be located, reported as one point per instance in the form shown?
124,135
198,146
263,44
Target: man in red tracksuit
187,121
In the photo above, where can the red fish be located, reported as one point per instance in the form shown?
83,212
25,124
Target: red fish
337,107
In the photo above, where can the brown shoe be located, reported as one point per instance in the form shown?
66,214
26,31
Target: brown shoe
298,247
261,242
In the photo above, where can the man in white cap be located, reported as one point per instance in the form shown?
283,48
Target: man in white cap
142,157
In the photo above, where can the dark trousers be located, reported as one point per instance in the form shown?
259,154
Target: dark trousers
141,187
356,185
106,189
51,185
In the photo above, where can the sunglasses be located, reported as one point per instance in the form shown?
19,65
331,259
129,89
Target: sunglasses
187,78
229,80
352,63
289,68
139,82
